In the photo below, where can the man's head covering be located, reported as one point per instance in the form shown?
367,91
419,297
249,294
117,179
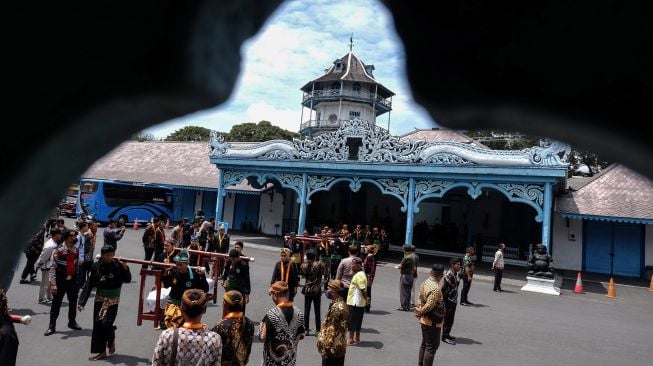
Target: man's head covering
107,249
407,248
285,250
279,288
182,257
293,234
234,299
69,233
234,253
336,285
437,269
221,227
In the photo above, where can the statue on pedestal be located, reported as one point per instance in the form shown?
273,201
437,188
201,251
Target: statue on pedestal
540,263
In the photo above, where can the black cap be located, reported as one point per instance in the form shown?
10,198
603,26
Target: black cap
107,249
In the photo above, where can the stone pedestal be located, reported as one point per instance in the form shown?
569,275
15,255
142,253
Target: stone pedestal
541,285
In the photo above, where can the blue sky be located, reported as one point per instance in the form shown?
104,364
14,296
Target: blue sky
299,41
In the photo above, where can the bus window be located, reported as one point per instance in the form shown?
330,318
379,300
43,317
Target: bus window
88,187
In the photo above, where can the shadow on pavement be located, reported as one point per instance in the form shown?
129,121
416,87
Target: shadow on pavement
460,340
29,312
369,330
75,333
379,312
127,360
477,305
370,344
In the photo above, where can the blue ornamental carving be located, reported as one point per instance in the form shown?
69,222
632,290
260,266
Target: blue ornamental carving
378,146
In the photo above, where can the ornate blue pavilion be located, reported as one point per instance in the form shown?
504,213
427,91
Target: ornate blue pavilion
410,171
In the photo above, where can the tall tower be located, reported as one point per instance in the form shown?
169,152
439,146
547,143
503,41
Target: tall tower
347,90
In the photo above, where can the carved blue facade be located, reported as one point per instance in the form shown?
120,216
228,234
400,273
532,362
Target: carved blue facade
410,171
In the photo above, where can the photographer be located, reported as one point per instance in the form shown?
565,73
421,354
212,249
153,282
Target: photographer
111,235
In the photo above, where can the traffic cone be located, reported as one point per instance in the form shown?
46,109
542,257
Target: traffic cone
136,224
579,285
611,291
650,288
168,224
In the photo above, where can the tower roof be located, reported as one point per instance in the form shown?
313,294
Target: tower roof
351,69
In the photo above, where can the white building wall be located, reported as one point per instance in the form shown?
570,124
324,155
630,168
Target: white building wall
648,245
567,243
228,213
271,214
325,109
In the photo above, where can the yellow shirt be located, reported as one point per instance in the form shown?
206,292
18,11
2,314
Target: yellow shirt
359,281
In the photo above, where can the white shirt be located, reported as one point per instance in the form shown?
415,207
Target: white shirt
498,259
46,254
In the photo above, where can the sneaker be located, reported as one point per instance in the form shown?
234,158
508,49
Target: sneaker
74,326
449,341
24,281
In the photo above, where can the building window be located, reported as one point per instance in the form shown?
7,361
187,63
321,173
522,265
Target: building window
318,116
356,88
353,114
335,85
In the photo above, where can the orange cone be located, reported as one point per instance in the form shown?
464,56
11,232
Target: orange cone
136,224
168,224
579,285
650,288
611,291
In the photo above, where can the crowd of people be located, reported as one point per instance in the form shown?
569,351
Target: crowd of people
341,266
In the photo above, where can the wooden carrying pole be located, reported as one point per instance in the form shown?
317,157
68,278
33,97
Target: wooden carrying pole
216,258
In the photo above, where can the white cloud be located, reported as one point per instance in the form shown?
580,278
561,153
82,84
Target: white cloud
298,42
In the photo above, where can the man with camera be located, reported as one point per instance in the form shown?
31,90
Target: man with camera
111,235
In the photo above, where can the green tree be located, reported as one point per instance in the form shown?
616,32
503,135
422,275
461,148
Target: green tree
190,133
502,140
262,131
142,136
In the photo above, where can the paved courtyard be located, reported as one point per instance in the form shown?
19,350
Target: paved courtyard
509,328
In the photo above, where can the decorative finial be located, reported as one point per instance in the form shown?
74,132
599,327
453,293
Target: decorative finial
351,42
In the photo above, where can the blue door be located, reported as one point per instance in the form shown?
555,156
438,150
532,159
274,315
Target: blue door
246,212
627,249
598,246
613,248
208,203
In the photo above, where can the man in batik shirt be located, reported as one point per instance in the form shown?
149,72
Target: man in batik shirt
281,329
430,312
235,330
450,292
332,339
192,343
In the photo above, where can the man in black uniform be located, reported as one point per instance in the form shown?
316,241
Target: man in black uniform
107,276
179,280
63,281
236,276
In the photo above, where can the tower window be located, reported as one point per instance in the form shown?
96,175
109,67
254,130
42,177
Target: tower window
354,114
356,88
335,85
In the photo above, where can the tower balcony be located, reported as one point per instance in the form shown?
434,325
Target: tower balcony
308,128
381,105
